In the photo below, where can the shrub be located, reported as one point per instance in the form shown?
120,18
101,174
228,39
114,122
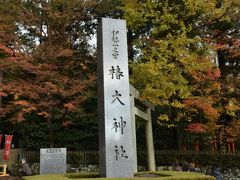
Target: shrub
163,175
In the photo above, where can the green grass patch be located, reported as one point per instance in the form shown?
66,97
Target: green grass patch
159,175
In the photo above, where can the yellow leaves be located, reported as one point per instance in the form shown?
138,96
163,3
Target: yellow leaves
231,108
168,18
163,117
213,126
130,3
153,94
216,85
170,125
231,89
163,27
177,104
174,66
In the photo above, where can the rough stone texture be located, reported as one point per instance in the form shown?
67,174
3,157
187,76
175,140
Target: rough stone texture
53,161
115,141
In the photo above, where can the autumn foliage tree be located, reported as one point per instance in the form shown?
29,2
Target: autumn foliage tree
224,36
49,70
175,63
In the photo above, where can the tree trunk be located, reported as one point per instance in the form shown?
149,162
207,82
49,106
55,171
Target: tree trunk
51,138
179,137
1,80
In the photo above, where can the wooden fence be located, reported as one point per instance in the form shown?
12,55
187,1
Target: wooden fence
173,151
73,157
162,157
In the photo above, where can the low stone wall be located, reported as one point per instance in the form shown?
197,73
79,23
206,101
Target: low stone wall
228,174
13,166
83,167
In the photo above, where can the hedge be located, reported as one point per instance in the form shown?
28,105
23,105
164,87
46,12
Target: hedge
163,175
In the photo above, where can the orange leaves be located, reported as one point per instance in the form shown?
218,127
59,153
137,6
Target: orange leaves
229,45
20,117
44,114
5,50
70,107
196,128
235,49
64,53
66,123
22,103
26,107
204,105
214,74
221,46
30,109
4,111
3,94
47,77
49,85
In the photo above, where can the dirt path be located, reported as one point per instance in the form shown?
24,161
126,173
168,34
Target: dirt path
10,178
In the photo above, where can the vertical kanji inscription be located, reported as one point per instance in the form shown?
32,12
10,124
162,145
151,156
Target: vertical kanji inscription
115,141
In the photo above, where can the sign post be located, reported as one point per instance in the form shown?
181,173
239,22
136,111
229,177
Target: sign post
8,141
1,139
6,153
53,161
115,141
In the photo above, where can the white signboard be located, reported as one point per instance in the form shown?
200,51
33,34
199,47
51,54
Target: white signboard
53,161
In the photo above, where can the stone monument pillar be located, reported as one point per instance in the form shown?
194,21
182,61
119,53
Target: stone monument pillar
115,141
